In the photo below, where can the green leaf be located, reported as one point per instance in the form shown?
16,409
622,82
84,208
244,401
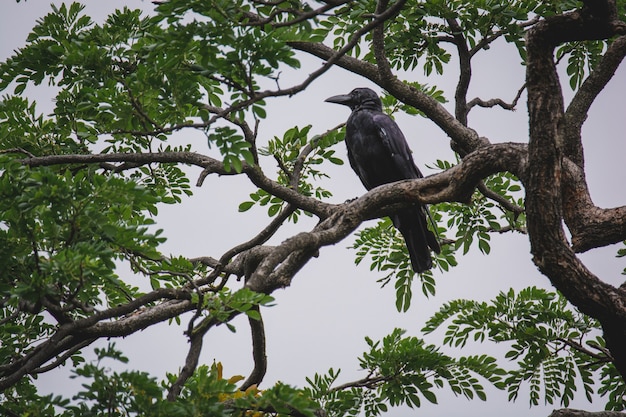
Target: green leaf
246,205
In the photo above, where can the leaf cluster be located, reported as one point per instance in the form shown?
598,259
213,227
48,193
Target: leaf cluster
555,347
386,249
403,370
133,393
299,157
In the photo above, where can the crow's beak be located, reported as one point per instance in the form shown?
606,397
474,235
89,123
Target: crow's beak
345,99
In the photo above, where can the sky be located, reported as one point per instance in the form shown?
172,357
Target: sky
321,320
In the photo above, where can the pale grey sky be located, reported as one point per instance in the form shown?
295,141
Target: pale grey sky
320,321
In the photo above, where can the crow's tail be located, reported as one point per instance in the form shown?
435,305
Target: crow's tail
412,224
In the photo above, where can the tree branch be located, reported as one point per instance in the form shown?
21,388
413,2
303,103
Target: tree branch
465,72
496,101
277,266
576,113
549,246
502,201
193,356
568,412
210,165
378,45
257,329
466,139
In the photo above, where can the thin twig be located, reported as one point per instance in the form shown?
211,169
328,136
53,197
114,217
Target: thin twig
497,101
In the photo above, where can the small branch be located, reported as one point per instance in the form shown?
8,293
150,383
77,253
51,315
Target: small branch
256,20
259,355
248,134
17,150
62,358
10,317
367,382
484,42
138,108
191,363
461,108
298,166
506,204
497,102
605,357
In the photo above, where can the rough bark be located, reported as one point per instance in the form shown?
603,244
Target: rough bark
545,183
569,412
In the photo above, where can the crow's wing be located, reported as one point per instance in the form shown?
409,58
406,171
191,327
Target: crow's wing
395,142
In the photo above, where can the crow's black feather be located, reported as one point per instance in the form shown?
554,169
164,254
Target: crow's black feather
379,154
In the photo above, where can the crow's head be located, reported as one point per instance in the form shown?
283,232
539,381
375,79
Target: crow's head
358,98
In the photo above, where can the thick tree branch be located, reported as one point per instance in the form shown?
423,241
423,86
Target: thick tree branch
551,252
210,165
568,412
278,266
465,138
590,226
578,108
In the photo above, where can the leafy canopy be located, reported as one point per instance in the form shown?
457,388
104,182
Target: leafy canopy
128,89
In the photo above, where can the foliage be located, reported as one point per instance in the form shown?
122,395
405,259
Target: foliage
133,393
403,370
552,343
469,222
74,235
298,157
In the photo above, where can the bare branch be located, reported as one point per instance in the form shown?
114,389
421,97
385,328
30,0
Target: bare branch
497,102
191,362
258,351
576,113
465,72
17,150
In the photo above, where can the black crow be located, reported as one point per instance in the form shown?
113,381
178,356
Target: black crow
379,154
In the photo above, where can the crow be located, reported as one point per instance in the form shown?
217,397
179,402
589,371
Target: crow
379,154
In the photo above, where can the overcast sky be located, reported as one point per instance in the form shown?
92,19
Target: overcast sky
320,321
